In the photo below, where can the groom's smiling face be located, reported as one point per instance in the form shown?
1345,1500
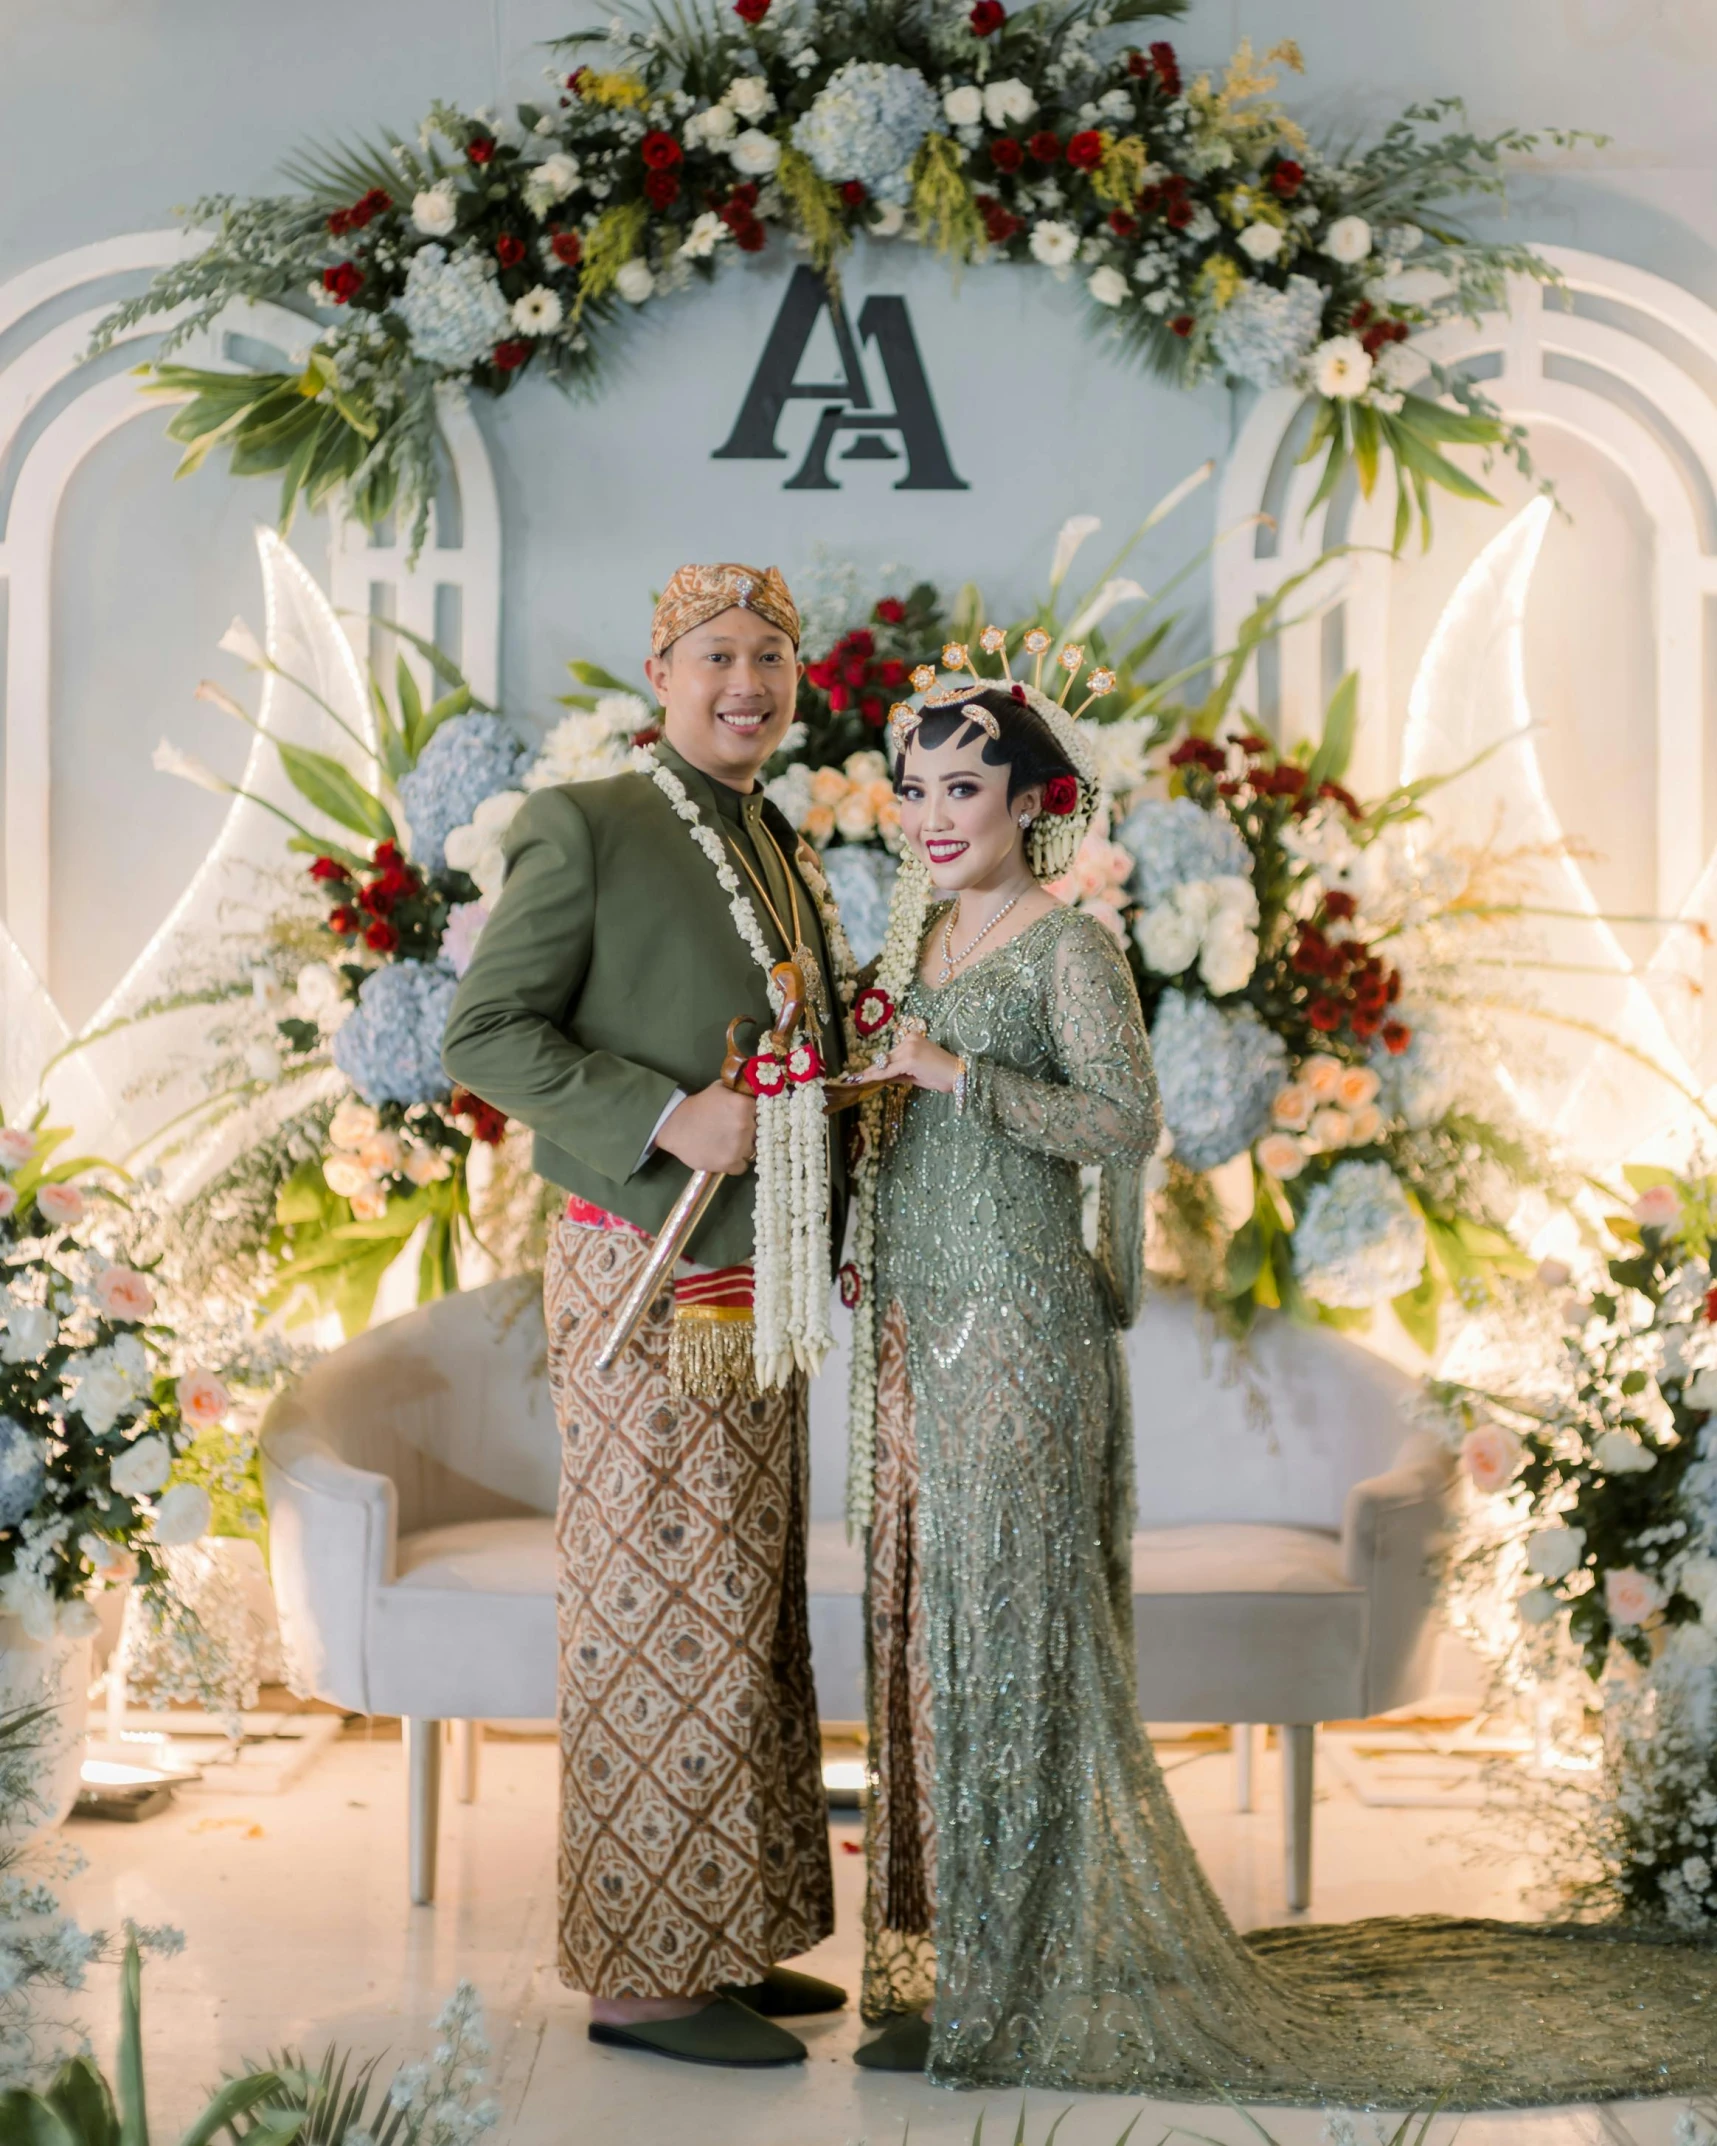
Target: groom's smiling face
728,690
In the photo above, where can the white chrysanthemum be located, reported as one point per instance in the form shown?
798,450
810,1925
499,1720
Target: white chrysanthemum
635,282
435,211
538,312
705,235
1358,1243
588,745
1341,368
476,848
1262,242
1008,103
452,307
868,124
1054,244
1348,240
1107,285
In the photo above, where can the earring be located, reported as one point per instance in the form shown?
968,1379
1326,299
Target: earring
1025,820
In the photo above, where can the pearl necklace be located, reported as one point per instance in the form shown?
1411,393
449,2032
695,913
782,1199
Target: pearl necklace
951,960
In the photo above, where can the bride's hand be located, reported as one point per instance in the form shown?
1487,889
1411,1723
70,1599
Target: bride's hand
923,1063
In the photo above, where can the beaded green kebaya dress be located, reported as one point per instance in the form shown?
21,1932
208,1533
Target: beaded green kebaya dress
1027,1866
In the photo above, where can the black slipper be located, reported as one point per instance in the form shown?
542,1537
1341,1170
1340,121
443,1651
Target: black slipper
724,2032
903,2045
785,1993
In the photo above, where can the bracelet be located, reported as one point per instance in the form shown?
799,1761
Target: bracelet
960,1090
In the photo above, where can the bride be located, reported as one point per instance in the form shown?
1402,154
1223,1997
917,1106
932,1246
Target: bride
1035,1914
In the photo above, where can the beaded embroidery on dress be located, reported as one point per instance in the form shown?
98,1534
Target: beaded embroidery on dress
1070,1933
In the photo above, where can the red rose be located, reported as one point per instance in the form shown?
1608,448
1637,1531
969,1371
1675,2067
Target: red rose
821,675
1166,67
854,193
339,223
508,357
1360,314
890,610
509,251
1199,752
1044,147
873,1009
661,188
840,700
345,920
1374,338
1366,1025
873,711
1340,906
1344,798
567,248
1139,64
487,1124
1085,149
752,11
1006,154
860,642
855,671
852,1286
764,1074
1178,211
1287,178
1710,1294
575,78
999,224
750,236
1253,745
745,193
1060,796
1182,324
660,151
343,283
1324,1015
360,213
1121,223
892,674
987,17
381,938
385,854
328,868
1396,1037
481,150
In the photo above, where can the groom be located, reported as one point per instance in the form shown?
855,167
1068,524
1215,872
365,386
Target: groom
694,1838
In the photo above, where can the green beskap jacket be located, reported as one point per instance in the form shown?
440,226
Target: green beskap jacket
605,979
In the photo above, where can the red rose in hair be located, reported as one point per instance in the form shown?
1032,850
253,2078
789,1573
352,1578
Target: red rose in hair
381,937
1085,149
890,610
1287,178
751,11
1122,224
661,188
509,251
1396,1037
1006,154
987,17
1182,324
1324,1015
567,248
481,150
1061,796
345,920
329,868
1044,147
854,193
1166,67
852,1286
660,151
343,283
508,357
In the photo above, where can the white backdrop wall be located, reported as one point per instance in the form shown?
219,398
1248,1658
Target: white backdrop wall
112,113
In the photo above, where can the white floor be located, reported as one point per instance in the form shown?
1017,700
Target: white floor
298,1933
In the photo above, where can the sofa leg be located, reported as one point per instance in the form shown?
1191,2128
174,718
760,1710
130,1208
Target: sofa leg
1244,1737
423,1769
1299,1742
467,1750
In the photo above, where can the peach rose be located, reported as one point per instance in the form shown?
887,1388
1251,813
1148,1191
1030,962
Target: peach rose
855,816
1322,1075
16,1147
352,1124
1357,1086
122,1293
63,1205
1293,1107
1281,1155
878,795
8,1201
382,1154
819,824
888,817
1631,1596
828,786
371,1204
1491,1456
342,1175
203,1400
427,1166
1365,1126
1658,1208
1331,1128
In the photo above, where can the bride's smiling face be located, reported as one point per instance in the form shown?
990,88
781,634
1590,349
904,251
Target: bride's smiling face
955,812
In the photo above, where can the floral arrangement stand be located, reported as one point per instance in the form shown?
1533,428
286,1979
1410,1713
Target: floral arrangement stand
1211,238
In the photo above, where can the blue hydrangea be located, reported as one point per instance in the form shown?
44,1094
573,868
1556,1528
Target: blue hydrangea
1358,1242
453,307
862,881
1424,1082
1218,1068
22,1471
468,759
867,124
1264,334
1175,840
389,1048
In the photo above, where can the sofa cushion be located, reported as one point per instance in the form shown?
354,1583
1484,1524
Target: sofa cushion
1238,1558
481,1557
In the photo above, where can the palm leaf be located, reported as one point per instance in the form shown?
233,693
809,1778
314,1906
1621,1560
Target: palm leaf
335,174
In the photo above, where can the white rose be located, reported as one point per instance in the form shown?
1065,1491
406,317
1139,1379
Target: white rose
77,1619
1538,1605
750,96
1701,1389
370,1203
1331,1128
1054,244
1631,1596
1008,103
183,1515
635,282
1553,1553
1168,937
1107,285
344,1177
556,175
755,153
427,1166
1342,368
964,106
317,989
1618,1454
435,211
262,1062
1348,240
1698,1583
1203,225
104,1394
31,1331
30,1602
352,1124
715,125
1230,955
1261,242
142,1468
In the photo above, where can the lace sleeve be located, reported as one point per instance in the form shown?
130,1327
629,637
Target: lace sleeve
1105,1108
